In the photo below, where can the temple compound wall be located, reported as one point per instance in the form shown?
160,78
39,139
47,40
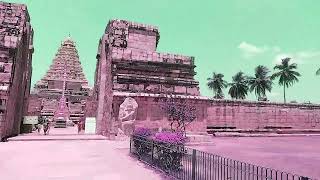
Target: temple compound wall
129,66
16,48
224,113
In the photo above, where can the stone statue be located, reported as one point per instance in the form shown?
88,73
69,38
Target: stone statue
127,115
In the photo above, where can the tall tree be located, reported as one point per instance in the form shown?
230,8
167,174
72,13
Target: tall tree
260,82
238,86
216,83
318,72
287,74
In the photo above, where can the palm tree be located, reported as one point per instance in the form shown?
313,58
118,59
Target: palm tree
318,72
286,74
260,82
216,83
238,87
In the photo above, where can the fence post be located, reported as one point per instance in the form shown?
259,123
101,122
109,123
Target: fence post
152,151
194,161
130,143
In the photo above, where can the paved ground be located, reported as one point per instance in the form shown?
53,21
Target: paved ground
95,159
71,160
70,133
300,155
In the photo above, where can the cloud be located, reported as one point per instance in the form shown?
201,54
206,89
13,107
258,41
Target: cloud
251,50
301,57
308,54
278,58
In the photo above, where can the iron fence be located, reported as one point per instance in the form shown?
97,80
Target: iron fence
190,164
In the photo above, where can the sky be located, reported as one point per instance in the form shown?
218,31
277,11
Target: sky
224,36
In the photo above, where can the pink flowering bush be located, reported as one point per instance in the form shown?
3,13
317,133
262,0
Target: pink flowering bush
141,140
166,148
170,149
175,138
142,132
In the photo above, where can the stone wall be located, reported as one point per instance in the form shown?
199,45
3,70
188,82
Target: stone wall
128,65
103,88
222,113
140,39
16,48
254,115
34,105
91,107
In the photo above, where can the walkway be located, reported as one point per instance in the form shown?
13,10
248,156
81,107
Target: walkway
71,160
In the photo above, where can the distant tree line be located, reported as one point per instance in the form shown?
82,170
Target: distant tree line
286,73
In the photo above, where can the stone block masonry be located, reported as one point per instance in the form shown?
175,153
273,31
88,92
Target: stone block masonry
224,113
16,48
127,61
129,66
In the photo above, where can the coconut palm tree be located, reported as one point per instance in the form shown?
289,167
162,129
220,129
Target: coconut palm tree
216,83
238,86
286,74
318,72
260,82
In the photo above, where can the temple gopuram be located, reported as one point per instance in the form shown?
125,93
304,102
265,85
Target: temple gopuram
62,92
16,48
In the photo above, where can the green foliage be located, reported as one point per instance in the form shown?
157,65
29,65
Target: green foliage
238,86
260,82
318,72
216,84
286,73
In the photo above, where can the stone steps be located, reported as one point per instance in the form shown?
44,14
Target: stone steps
266,131
235,134
194,139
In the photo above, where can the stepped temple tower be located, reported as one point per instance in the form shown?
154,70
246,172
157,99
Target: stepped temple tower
16,48
129,66
63,91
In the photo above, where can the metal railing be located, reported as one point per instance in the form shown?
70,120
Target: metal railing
190,164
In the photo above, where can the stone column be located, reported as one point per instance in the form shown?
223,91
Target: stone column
105,97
